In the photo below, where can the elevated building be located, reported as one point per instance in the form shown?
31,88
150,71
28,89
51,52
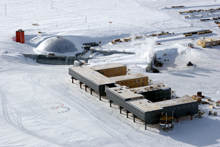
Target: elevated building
132,93
147,110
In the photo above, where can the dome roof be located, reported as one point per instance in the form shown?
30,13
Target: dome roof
57,45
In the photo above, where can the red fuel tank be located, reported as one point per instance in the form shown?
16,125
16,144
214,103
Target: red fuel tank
20,36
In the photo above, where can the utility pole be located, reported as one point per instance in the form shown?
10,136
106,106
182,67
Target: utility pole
5,10
51,4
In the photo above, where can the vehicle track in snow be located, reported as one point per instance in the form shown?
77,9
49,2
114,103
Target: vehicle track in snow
18,124
82,109
134,128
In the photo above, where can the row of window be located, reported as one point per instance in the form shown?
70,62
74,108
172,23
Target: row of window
132,86
114,74
162,91
112,70
153,114
162,96
133,81
179,107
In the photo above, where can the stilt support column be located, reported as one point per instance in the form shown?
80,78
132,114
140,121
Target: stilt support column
145,125
134,118
127,113
110,102
120,108
91,91
80,84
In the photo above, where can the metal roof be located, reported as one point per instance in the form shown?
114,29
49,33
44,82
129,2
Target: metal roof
125,93
57,45
91,75
195,31
173,102
145,105
204,40
149,88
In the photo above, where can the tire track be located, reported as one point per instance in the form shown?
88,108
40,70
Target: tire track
113,113
18,125
82,109
27,80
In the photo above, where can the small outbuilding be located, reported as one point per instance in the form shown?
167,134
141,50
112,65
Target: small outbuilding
204,43
208,42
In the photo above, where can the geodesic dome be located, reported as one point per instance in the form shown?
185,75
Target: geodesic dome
57,45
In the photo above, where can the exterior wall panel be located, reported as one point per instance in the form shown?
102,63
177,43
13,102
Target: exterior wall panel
157,95
153,117
133,83
111,72
182,110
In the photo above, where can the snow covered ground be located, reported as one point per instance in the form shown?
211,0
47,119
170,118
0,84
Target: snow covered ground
41,107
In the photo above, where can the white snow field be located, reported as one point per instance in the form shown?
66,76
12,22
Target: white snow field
41,107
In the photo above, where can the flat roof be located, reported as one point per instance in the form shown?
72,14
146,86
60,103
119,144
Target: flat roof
204,40
107,66
127,77
145,105
173,102
92,75
213,39
125,93
149,88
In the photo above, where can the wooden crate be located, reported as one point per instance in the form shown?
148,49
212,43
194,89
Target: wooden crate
211,106
197,98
